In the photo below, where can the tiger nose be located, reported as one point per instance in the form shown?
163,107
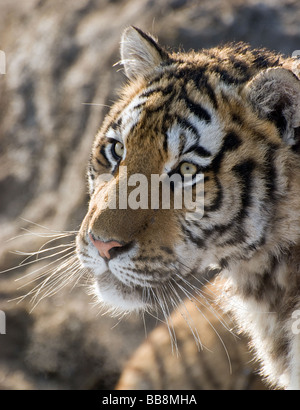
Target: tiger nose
104,247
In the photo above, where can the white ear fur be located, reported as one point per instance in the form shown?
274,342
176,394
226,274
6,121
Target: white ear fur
140,53
275,94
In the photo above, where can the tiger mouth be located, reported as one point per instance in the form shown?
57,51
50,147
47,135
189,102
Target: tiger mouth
130,291
132,280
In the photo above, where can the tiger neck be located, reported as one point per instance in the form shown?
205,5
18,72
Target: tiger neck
276,264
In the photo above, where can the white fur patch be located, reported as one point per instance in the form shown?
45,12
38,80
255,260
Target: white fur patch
211,134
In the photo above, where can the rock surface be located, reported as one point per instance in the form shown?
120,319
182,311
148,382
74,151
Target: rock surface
60,59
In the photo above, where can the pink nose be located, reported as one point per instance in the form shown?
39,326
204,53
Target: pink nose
104,247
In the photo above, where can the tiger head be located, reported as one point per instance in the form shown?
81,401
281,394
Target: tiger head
229,115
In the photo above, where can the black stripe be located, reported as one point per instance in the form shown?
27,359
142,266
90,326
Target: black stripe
209,90
270,173
167,93
224,263
167,250
278,117
227,78
198,110
91,167
244,171
296,146
257,244
182,144
239,65
199,150
196,240
163,54
187,125
165,143
156,79
217,202
238,236
264,59
103,153
164,90
236,118
246,252
91,176
116,124
218,229
101,163
200,79
231,142
139,105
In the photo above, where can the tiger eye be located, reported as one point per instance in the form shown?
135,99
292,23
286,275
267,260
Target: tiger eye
186,168
118,149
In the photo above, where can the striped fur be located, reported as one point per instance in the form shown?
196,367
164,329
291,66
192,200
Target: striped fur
234,113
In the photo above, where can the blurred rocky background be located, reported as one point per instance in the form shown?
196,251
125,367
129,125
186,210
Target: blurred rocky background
60,79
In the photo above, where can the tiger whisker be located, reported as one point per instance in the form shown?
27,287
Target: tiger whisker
169,321
187,316
42,259
188,294
205,295
37,289
45,273
81,272
42,235
36,253
53,239
205,303
150,311
47,228
55,282
158,295
189,271
98,104
23,263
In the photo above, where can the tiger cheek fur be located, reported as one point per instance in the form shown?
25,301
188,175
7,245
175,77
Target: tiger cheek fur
233,115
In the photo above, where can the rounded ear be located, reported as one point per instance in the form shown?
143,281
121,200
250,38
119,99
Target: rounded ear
140,53
275,94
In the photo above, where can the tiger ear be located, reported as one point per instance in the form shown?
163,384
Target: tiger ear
275,94
140,53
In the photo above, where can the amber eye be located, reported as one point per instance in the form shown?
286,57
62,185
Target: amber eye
117,150
186,168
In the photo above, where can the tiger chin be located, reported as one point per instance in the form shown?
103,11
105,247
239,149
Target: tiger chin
231,114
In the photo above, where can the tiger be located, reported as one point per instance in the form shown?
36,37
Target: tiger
231,116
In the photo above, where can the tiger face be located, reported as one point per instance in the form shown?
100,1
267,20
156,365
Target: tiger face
228,114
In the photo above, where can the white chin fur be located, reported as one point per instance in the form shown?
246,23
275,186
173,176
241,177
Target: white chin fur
113,298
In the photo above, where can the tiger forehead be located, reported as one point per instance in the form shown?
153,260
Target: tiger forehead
191,92
187,78
156,107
